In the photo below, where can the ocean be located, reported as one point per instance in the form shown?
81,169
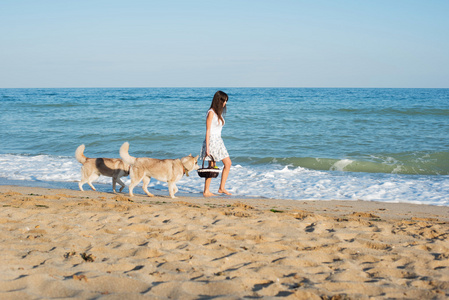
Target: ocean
387,145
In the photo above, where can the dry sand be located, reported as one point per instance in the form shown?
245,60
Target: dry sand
58,243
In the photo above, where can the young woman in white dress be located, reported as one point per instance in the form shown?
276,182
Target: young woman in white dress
213,143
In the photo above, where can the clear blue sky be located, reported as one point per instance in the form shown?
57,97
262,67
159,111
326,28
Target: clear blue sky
232,43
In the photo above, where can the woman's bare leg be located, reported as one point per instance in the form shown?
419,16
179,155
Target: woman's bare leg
224,175
206,192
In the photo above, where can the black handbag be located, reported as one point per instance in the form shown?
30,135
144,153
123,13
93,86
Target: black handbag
210,172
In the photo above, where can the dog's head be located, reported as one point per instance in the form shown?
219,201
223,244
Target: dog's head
190,163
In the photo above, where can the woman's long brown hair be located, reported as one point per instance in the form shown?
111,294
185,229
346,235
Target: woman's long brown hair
217,104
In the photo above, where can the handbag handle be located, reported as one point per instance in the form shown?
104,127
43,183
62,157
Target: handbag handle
213,160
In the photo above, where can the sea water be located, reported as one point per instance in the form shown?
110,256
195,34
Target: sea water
388,145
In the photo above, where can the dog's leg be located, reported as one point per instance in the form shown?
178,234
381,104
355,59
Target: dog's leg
91,178
121,183
146,182
91,185
134,181
116,179
83,179
114,183
175,189
172,189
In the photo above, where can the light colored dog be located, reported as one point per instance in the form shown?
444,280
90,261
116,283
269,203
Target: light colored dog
94,167
167,170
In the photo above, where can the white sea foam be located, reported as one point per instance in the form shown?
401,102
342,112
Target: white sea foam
341,165
268,181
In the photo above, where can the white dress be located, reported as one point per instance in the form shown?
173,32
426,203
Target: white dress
216,145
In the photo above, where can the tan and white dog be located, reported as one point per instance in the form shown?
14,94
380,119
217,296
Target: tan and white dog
167,170
94,167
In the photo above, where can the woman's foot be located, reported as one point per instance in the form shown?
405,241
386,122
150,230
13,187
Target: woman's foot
223,191
208,194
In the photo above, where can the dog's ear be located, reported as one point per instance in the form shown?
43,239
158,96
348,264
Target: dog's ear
198,156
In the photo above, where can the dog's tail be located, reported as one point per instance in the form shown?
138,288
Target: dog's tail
79,154
128,159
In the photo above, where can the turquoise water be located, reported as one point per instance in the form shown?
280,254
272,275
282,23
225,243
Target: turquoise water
353,137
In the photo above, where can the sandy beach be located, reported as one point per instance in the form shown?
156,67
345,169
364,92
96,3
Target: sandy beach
60,243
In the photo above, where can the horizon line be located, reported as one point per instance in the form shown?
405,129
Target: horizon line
223,87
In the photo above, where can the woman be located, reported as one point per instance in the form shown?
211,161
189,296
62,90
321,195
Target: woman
213,144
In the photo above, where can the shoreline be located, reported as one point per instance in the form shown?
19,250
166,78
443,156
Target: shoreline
107,188
60,242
